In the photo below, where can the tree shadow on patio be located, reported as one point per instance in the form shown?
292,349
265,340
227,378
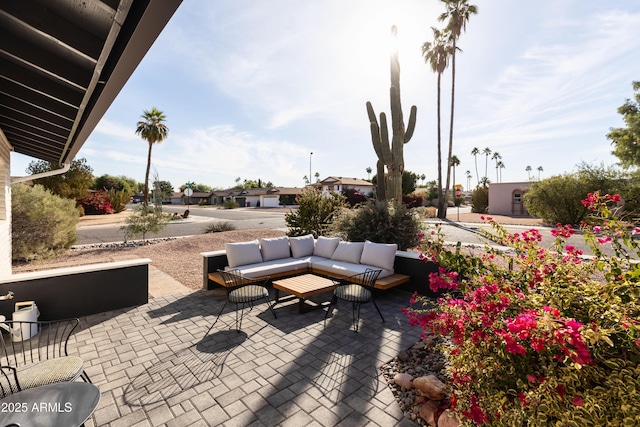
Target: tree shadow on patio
196,364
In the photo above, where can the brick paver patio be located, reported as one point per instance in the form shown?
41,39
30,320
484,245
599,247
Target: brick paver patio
158,365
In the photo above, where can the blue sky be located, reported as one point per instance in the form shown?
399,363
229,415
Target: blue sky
250,88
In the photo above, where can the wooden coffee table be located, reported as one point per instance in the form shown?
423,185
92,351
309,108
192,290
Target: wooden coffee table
303,287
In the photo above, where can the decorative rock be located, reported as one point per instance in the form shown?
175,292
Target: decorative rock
428,412
419,399
430,386
403,380
403,356
448,419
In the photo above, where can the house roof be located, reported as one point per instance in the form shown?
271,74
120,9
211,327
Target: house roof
62,63
334,180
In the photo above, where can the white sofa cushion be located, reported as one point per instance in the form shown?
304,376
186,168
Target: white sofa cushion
274,248
325,246
341,268
275,266
242,253
349,252
381,255
302,246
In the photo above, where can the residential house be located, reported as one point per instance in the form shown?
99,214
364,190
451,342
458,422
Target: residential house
507,198
254,197
339,184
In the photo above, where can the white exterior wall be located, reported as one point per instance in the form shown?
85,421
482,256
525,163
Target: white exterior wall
5,207
501,198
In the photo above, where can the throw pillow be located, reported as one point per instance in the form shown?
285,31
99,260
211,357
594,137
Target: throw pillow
325,246
348,252
381,255
275,248
243,253
302,246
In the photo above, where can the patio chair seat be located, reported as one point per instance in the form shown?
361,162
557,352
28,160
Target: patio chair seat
357,289
51,371
248,293
353,293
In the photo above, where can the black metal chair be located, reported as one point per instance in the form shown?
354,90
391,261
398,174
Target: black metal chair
38,352
8,381
357,289
245,291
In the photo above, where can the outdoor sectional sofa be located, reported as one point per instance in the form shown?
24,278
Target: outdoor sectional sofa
290,256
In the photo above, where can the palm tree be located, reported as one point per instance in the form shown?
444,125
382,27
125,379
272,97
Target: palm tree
152,129
485,181
500,166
457,15
497,157
539,170
317,175
468,180
528,169
368,169
475,153
422,178
455,161
487,153
436,54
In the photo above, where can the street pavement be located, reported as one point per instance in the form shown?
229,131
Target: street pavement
258,218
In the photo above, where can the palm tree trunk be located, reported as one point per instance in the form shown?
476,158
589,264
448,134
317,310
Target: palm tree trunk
453,92
442,211
146,177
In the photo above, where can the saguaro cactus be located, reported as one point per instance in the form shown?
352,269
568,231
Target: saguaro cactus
391,156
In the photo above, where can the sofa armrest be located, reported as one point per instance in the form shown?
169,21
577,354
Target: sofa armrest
211,263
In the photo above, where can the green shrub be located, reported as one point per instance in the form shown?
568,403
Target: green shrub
480,200
42,224
537,336
230,204
381,222
559,198
218,227
143,221
315,212
118,199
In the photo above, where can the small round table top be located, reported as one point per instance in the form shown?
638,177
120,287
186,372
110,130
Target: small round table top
60,404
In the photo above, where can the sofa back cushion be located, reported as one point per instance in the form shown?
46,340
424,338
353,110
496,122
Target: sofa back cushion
243,253
302,246
275,248
325,246
381,255
348,252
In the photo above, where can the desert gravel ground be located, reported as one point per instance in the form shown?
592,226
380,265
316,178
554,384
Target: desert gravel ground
180,258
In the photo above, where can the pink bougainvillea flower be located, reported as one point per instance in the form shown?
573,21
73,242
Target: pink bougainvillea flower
597,229
578,401
604,240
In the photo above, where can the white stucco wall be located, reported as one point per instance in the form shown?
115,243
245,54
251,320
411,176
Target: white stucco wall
5,208
501,198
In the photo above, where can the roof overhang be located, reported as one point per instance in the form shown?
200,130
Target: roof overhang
63,62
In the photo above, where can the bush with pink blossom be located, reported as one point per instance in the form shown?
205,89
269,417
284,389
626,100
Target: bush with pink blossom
540,336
